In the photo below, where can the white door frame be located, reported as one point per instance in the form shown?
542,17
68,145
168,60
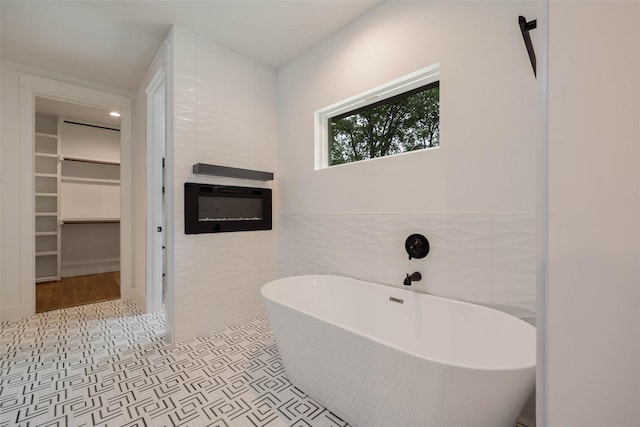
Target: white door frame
156,143
30,87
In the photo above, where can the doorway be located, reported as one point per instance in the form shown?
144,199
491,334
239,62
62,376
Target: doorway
32,87
77,204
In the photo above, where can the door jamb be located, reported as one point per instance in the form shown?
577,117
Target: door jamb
154,185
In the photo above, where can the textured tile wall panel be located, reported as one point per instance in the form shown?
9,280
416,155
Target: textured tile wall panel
186,260
266,148
318,244
515,242
186,81
515,293
216,91
229,142
185,86
460,264
366,243
372,234
266,263
215,63
461,282
186,154
186,321
266,96
184,49
287,246
265,251
235,102
226,263
187,316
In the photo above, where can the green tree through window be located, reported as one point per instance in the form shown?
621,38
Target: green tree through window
406,122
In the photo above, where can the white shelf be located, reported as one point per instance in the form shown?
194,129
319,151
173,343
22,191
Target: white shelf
47,204
87,160
89,220
47,135
90,180
47,253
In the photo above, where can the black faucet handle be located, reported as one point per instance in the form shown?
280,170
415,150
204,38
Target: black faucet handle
417,246
407,280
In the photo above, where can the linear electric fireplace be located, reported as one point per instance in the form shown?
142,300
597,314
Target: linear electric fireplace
221,208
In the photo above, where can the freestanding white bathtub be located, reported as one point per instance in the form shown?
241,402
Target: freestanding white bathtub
416,361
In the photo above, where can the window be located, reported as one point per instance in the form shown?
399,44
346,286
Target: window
396,118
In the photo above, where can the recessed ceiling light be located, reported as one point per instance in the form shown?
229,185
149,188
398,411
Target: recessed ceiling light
114,114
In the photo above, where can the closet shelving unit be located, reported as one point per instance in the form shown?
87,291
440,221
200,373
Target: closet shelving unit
47,206
90,197
87,177
77,181
92,172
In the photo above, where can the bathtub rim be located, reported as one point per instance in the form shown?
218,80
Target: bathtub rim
391,345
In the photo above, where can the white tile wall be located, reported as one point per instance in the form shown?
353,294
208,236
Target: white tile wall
486,258
515,242
225,113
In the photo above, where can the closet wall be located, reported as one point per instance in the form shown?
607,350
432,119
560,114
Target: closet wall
87,216
90,199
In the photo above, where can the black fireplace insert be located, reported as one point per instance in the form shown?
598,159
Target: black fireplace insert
222,208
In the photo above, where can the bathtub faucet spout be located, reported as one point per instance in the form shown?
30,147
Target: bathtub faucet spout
414,277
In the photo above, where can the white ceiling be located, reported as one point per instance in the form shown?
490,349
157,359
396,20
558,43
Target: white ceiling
113,42
76,112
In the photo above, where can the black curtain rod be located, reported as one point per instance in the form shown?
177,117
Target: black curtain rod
525,27
91,126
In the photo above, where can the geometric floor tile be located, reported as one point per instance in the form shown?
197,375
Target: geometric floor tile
106,364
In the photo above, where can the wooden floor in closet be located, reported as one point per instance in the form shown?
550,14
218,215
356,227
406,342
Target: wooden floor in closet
79,290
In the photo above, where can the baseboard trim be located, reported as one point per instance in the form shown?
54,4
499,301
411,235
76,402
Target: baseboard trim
83,268
134,295
11,314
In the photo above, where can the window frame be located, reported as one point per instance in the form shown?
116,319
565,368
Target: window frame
399,88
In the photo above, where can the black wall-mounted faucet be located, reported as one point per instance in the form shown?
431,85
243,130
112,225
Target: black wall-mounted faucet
414,277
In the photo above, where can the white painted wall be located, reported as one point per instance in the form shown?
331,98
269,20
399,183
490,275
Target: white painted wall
593,289
225,109
10,270
474,197
90,249
487,104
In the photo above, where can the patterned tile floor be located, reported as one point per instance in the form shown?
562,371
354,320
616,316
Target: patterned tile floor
106,365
